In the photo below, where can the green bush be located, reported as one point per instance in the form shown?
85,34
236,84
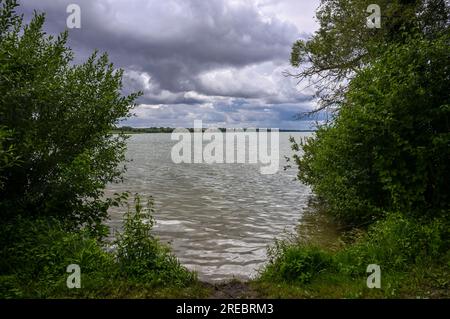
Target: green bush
295,263
7,157
60,116
35,254
141,256
397,244
387,148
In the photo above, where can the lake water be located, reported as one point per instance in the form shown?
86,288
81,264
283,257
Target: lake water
218,218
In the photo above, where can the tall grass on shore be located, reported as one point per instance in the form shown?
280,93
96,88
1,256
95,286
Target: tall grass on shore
414,260
35,254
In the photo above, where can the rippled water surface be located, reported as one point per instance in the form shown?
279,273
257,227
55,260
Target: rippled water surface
219,218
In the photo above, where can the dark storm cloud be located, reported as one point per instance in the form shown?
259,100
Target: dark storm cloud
186,52
173,40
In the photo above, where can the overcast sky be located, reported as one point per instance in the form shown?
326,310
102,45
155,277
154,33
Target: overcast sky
220,61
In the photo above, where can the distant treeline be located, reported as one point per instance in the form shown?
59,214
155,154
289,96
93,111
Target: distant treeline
138,130
129,129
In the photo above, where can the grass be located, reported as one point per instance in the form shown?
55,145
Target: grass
35,255
419,282
413,257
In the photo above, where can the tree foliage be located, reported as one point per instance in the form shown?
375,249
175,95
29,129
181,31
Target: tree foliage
343,45
388,148
60,116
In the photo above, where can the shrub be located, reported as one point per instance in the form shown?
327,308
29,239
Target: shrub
396,244
141,256
60,116
35,254
388,147
7,157
295,263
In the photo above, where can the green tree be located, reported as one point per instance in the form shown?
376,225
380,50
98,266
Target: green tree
7,156
343,45
388,147
60,115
